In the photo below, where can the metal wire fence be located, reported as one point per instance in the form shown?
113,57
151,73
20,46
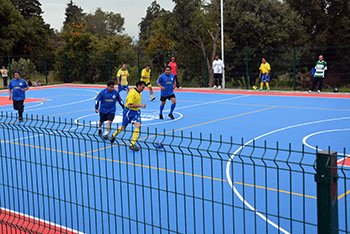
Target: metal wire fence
291,67
61,177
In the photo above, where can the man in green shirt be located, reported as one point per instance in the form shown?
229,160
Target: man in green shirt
320,68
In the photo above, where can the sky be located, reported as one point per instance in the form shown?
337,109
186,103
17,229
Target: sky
131,10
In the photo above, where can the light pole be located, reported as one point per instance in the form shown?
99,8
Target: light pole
222,42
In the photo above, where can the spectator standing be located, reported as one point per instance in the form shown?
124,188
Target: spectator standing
173,67
218,67
320,69
4,74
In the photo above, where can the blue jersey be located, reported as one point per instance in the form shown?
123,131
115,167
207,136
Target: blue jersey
108,101
168,83
17,86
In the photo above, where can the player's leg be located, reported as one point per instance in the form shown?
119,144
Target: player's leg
267,79
100,123
173,100
20,110
314,83
110,118
161,107
135,136
320,85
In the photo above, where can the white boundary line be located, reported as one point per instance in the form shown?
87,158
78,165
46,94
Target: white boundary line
42,221
245,202
326,131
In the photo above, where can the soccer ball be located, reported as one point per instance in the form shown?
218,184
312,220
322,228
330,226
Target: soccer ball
159,145
335,90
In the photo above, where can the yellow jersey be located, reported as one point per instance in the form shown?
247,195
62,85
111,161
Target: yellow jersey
265,67
122,75
145,75
134,97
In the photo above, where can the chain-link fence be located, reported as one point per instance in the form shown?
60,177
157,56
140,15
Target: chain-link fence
290,67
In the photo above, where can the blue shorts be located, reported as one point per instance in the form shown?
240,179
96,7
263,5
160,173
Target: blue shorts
131,116
264,78
123,88
104,117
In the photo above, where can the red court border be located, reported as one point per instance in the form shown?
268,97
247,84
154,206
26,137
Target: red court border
14,222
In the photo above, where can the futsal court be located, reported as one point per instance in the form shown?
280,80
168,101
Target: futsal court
271,120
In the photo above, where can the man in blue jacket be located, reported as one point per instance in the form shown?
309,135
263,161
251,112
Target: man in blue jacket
17,88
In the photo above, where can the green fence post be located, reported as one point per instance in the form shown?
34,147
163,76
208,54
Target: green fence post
110,66
327,192
247,66
65,68
9,61
138,65
295,61
45,67
206,68
84,72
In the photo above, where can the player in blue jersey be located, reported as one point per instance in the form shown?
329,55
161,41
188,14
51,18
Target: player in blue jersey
108,98
167,83
17,88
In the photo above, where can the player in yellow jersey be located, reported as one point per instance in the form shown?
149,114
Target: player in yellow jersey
123,79
132,113
264,74
146,77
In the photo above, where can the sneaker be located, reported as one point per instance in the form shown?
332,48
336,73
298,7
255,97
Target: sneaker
260,89
20,119
267,90
105,137
171,116
180,87
100,132
134,147
161,116
112,139
319,91
214,87
153,98
310,91
219,87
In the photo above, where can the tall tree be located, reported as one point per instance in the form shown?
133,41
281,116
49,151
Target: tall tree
153,12
74,14
28,8
103,24
11,27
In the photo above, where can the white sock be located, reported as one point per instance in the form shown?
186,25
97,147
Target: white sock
106,133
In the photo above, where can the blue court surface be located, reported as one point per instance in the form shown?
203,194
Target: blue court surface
283,120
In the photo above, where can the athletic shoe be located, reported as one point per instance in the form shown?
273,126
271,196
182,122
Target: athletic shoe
310,91
171,116
20,119
105,137
319,91
219,87
214,87
260,89
112,139
267,90
180,88
100,132
134,148
161,116
153,98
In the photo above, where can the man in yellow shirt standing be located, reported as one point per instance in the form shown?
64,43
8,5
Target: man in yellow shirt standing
265,69
146,77
132,113
123,79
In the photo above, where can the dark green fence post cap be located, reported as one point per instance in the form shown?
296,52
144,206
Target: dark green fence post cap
326,152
